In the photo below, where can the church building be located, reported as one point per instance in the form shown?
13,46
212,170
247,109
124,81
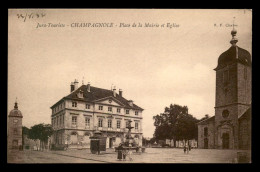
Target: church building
87,109
230,128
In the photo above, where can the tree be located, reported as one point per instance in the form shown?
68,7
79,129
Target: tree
41,132
25,131
175,123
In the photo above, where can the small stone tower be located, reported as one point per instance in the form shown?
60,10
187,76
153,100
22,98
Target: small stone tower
233,93
14,126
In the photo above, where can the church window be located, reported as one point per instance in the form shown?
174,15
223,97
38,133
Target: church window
206,131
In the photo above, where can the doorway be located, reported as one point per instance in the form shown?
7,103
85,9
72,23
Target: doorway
225,141
206,143
110,142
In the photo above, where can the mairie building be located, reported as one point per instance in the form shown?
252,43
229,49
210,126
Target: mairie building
230,128
87,109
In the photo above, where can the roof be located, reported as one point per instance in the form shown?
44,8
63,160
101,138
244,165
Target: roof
234,54
97,94
15,112
206,121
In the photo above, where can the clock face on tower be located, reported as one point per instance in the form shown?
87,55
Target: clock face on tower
225,113
15,121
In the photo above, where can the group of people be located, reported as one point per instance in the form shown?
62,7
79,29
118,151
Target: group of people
123,153
186,148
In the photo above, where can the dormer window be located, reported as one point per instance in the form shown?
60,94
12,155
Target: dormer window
74,104
80,94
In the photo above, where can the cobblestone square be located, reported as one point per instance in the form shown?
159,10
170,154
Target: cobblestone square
151,155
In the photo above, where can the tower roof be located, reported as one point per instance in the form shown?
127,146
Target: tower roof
15,112
234,54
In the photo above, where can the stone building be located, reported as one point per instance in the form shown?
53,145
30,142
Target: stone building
230,128
14,128
87,109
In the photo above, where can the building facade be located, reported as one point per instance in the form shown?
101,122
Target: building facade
14,128
87,109
230,128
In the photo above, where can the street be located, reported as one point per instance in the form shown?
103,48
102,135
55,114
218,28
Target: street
151,155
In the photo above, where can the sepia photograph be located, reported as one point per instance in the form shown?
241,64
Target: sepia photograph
129,86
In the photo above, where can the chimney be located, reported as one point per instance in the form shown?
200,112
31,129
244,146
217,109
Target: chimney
76,84
114,91
72,87
120,92
88,87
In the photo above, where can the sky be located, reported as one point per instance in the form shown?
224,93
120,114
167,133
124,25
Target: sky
154,66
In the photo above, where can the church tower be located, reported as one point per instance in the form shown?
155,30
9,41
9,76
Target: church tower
233,93
14,125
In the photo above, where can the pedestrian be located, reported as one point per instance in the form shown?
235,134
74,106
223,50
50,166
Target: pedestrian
184,148
120,152
189,147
